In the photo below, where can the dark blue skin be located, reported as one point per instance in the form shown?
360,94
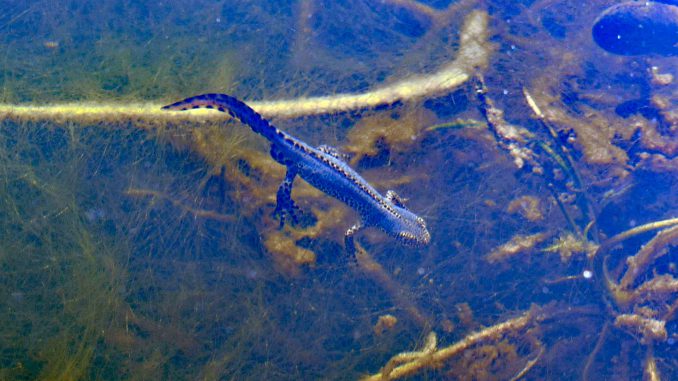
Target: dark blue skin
322,168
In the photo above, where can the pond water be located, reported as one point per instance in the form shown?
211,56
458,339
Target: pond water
137,243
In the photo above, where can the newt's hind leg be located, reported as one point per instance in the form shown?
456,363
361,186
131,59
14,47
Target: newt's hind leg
284,203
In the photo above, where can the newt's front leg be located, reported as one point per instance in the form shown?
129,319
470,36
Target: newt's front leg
348,240
284,203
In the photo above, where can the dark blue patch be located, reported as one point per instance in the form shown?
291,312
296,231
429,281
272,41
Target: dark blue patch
638,28
637,106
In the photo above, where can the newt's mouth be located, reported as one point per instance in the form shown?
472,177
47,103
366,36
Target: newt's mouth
415,240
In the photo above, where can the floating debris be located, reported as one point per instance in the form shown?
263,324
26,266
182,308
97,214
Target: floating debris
385,323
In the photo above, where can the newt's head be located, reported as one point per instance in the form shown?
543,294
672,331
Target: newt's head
412,230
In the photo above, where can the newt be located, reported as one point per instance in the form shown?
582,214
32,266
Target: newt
323,168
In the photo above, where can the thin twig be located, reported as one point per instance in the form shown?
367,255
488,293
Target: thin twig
594,352
530,364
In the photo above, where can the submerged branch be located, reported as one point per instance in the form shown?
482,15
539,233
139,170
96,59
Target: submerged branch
638,230
474,53
422,359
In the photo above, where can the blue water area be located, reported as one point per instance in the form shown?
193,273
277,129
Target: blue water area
144,247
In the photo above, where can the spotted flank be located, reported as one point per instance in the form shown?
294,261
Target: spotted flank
323,168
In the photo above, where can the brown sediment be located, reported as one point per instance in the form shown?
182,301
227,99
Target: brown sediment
646,308
658,162
527,206
287,255
661,79
568,244
527,148
367,136
384,323
517,245
282,244
594,131
652,140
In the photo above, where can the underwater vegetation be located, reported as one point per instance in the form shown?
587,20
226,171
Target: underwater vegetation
141,244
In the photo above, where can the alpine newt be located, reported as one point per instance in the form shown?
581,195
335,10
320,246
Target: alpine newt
323,168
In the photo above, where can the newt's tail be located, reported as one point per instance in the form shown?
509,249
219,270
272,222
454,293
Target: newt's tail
235,107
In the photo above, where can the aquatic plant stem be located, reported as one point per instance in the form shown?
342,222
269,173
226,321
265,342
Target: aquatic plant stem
473,54
561,155
530,364
638,230
598,260
436,359
592,356
650,371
